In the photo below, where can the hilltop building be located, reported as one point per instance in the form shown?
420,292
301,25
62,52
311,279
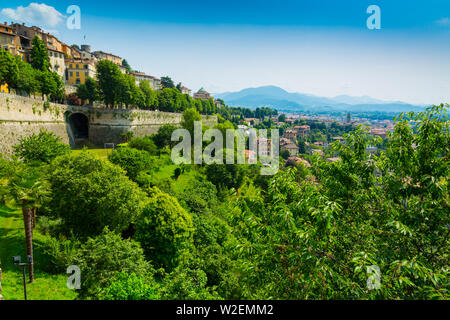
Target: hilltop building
291,148
10,41
202,94
57,61
303,131
183,89
108,56
155,83
290,134
73,64
78,70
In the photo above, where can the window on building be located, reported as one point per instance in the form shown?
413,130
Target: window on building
78,81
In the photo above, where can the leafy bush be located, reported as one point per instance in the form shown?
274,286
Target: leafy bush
42,147
225,175
144,144
60,253
132,161
163,137
90,193
104,257
130,287
199,196
164,230
187,284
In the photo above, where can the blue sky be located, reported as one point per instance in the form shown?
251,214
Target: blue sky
321,47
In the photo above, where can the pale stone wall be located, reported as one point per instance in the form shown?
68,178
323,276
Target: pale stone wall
21,116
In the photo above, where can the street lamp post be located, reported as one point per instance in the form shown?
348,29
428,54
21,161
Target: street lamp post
16,262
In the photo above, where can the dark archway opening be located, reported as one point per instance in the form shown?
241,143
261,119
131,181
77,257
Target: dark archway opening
79,124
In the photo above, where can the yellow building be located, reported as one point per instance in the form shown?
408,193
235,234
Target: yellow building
9,41
78,70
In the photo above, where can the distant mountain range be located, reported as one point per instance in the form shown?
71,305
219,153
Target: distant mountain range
279,99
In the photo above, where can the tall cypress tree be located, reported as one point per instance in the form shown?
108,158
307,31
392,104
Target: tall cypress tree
39,55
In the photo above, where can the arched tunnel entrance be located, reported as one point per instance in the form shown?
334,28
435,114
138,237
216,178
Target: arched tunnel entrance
79,125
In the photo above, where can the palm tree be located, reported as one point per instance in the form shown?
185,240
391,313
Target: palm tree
29,191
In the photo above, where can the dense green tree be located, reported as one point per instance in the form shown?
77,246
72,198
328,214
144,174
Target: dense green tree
187,284
199,196
169,100
103,258
133,161
42,147
145,144
88,90
163,137
27,81
9,71
104,195
111,84
285,154
360,212
128,287
225,175
150,96
301,145
130,94
126,65
50,84
189,117
164,230
39,55
282,118
167,82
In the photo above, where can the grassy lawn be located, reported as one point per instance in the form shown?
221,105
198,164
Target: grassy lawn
102,153
12,243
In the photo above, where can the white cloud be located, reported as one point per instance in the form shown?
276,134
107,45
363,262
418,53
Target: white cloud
444,22
36,14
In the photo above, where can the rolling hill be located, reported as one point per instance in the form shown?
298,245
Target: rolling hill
280,99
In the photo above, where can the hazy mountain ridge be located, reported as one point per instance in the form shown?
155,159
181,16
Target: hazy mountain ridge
280,99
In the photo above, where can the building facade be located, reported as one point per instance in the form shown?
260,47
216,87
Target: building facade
57,62
155,83
290,134
10,42
303,131
108,56
202,94
78,70
291,148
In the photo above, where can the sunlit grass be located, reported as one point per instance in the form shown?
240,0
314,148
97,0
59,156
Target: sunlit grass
12,243
101,153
